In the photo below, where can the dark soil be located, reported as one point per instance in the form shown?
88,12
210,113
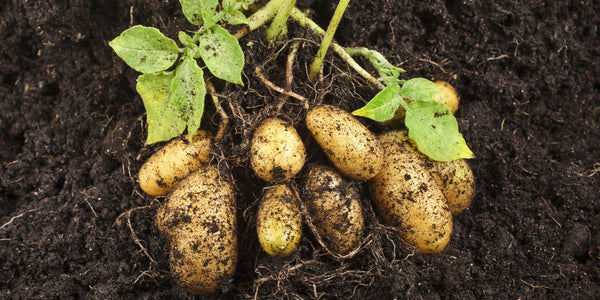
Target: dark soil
74,224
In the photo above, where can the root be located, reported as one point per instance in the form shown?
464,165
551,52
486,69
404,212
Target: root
274,87
224,117
127,214
12,219
289,77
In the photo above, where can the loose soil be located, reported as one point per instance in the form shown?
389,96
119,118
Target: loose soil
74,224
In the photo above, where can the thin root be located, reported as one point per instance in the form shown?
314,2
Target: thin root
224,117
272,86
289,76
133,235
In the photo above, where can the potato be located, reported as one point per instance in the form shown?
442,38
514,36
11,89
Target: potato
276,151
455,178
447,96
199,218
457,182
279,221
349,145
406,196
335,209
173,162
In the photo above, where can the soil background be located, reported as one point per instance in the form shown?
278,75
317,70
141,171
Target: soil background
74,224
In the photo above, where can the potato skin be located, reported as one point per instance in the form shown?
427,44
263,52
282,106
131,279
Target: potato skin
406,196
199,218
276,151
350,146
173,162
279,221
457,181
335,209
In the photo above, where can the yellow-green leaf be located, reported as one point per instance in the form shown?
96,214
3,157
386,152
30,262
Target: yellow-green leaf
145,49
434,129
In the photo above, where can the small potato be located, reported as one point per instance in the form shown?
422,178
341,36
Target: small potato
457,182
173,162
406,196
351,147
447,96
335,209
199,217
279,221
276,151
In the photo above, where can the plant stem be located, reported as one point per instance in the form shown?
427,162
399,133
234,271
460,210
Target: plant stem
305,21
265,13
278,28
331,28
260,17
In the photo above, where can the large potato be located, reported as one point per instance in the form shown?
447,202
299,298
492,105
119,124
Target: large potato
335,209
407,196
279,221
455,178
351,147
276,151
173,162
199,217
457,182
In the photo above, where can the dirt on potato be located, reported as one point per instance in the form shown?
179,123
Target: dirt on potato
74,223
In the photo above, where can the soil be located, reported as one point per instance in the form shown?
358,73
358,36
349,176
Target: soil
74,224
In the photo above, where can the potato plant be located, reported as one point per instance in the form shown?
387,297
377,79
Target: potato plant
417,180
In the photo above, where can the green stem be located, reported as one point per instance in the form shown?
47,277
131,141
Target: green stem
265,13
333,24
260,17
305,21
278,28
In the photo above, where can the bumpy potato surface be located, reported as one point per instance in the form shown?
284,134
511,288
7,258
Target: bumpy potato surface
199,218
334,205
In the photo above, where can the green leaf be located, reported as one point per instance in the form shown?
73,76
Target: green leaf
162,116
235,17
388,73
185,39
200,12
232,13
420,89
187,91
222,54
434,129
145,49
383,106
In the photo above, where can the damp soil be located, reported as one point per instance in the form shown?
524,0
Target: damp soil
74,224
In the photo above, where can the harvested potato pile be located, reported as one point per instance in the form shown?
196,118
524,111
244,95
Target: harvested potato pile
408,191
